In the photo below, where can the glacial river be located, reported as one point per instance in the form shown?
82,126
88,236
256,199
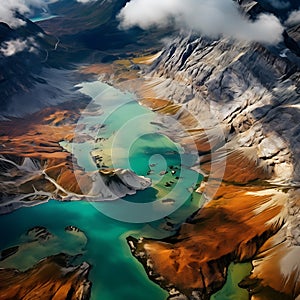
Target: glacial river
123,134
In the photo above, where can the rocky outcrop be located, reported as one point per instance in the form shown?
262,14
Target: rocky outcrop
39,233
52,278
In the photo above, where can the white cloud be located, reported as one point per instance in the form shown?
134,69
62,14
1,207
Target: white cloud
209,17
294,18
8,9
12,47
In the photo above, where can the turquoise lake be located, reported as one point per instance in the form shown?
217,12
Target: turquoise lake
126,135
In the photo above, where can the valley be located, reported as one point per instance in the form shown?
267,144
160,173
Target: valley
171,159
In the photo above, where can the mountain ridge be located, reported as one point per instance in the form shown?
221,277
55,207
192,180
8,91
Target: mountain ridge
251,92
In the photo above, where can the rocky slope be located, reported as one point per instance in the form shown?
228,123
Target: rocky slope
243,102
24,52
94,26
244,88
52,278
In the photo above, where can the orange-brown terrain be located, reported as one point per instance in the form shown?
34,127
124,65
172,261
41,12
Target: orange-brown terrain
225,84
241,223
232,227
42,169
35,139
52,278
244,221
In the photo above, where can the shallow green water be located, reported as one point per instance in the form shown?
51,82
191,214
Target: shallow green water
231,290
127,135
131,141
115,273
